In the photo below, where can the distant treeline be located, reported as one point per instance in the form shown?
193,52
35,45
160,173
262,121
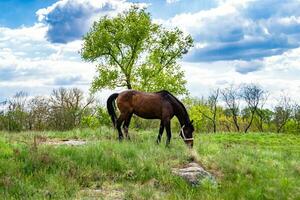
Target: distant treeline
233,109
243,109
64,109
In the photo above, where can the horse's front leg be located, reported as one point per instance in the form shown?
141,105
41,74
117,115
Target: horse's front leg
168,129
161,130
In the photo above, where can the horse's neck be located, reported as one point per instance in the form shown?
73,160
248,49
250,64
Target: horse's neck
182,117
179,109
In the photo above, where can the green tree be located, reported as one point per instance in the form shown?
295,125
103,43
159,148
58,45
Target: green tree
264,118
211,112
133,52
282,112
297,117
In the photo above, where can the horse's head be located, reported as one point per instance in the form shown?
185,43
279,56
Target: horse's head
186,133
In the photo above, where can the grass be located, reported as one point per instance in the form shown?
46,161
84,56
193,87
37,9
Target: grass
247,166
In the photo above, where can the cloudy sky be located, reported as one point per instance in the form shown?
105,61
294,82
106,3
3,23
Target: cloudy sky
250,41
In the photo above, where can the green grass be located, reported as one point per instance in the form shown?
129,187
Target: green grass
247,166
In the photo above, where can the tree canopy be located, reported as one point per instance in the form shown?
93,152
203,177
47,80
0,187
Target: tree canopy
133,52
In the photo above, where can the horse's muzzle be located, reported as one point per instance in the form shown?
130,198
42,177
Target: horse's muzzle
189,143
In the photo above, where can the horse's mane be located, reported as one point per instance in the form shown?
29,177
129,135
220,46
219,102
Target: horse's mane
175,102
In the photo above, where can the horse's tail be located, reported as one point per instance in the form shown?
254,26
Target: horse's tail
110,104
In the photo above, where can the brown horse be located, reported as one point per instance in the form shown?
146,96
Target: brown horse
159,105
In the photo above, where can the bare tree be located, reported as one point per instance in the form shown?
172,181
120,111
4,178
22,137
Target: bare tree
2,106
16,112
212,104
67,107
282,112
18,101
2,115
253,95
38,113
263,114
232,99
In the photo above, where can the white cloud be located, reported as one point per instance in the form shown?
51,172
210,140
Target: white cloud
69,20
24,33
194,22
29,62
279,73
241,29
172,1
115,5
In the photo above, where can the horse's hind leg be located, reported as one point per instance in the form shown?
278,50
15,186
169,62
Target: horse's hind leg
119,124
161,130
126,125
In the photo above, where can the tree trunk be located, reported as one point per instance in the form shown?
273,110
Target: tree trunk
128,84
214,118
261,128
252,116
235,120
215,127
280,127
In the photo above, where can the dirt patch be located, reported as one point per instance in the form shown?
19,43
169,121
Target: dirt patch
101,194
69,142
107,192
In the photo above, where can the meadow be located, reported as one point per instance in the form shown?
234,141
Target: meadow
246,166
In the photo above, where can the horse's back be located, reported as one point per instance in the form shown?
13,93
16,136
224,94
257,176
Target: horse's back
144,104
136,97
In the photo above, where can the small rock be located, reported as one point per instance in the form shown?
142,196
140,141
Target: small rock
194,174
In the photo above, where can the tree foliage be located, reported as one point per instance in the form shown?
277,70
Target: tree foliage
282,112
133,52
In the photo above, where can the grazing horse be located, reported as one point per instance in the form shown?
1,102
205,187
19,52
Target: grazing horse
159,105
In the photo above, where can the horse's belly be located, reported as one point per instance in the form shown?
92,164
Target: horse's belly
147,114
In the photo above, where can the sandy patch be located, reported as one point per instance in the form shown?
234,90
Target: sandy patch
69,142
107,192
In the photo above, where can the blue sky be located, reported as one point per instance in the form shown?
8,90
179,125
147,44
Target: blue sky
249,41
164,10
15,13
